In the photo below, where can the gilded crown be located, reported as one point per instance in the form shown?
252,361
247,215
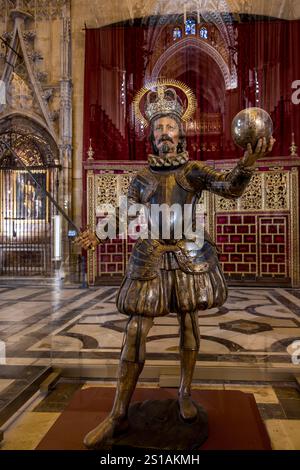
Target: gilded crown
163,101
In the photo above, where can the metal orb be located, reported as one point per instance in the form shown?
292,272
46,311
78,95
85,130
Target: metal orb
250,125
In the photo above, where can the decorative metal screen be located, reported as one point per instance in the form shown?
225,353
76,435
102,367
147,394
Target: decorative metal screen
25,212
258,234
25,223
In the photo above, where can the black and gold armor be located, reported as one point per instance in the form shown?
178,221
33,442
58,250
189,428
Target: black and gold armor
171,275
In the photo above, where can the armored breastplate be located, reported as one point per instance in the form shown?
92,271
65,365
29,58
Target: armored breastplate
171,207
177,188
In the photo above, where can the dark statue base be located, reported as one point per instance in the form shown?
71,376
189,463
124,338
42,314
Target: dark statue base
157,424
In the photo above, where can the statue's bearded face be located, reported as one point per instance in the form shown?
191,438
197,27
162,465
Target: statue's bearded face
166,134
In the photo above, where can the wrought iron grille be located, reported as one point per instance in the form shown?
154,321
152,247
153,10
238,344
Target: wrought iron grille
25,212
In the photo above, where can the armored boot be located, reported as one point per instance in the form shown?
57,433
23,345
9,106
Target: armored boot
188,410
127,378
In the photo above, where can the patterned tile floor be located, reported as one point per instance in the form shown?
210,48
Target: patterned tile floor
41,324
44,325
279,406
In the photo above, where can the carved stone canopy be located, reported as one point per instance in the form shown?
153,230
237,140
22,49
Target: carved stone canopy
34,145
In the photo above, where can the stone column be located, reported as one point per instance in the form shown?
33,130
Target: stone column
65,127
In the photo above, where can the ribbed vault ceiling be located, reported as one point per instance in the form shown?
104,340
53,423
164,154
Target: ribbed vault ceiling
106,12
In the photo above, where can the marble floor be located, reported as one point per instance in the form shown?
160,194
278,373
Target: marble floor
43,325
279,406
49,325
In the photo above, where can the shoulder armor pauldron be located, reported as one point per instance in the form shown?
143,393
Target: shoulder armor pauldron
182,180
147,183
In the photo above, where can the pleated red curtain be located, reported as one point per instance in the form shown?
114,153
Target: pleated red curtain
117,57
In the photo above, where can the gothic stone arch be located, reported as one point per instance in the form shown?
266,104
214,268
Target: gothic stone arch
229,79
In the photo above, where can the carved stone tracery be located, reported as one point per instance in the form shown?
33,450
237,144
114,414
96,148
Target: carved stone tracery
40,9
31,142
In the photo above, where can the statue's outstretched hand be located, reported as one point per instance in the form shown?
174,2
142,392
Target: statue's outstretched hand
262,148
87,240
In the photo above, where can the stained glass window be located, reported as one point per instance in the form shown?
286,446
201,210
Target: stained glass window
203,33
176,33
190,26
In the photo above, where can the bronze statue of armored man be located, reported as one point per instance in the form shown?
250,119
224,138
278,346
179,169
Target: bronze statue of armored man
169,275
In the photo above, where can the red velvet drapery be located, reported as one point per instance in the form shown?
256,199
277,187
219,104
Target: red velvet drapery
271,48
116,62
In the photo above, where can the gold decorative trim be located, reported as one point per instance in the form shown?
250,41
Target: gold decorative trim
276,190
211,212
286,191
191,99
106,189
267,191
294,232
111,167
270,163
91,221
252,197
228,164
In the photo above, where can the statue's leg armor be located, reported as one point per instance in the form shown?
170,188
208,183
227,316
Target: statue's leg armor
189,347
132,362
130,366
